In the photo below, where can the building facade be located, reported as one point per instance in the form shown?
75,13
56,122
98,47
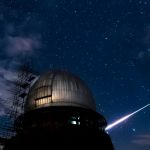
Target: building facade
60,113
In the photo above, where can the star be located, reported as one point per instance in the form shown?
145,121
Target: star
133,130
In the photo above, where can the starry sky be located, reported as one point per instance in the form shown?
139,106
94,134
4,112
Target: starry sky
105,42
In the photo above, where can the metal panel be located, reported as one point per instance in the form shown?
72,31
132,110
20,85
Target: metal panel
65,89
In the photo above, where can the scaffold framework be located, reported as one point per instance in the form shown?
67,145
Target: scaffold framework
10,121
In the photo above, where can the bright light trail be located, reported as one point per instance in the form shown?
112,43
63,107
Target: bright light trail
124,118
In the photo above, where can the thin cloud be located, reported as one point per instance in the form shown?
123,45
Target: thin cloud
21,45
16,41
7,75
142,140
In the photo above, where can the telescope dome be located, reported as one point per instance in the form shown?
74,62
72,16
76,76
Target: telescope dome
59,88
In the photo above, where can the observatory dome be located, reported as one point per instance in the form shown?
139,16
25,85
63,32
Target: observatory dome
59,88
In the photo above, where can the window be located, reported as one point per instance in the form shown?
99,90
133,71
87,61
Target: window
74,120
42,101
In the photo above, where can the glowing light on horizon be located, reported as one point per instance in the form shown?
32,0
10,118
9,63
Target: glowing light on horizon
124,118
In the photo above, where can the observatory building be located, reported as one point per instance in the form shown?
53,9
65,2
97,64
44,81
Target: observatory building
60,112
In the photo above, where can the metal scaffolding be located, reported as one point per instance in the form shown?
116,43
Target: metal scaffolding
10,122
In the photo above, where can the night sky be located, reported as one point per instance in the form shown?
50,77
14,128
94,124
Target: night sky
104,42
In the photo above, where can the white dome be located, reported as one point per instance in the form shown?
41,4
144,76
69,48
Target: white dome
59,88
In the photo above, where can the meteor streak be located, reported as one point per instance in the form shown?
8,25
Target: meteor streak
124,118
